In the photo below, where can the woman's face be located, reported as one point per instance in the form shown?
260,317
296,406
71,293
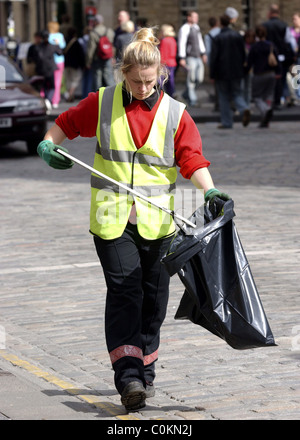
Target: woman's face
140,81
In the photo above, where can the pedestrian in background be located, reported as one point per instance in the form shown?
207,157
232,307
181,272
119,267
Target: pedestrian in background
294,71
74,64
192,56
279,34
87,79
264,74
233,15
131,119
214,30
168,52
228,57
123,38
102,69
123,17
295,29
43,56
208,40
31,58
57,38
249,38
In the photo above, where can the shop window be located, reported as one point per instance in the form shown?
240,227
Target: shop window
246,7
133,10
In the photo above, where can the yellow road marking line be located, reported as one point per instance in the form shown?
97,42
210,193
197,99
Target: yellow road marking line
110,408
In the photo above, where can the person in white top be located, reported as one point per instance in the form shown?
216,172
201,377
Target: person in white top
192,55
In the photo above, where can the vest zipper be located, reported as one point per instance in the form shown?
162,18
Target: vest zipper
132,169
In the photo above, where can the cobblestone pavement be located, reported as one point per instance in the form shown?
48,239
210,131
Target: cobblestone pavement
53,359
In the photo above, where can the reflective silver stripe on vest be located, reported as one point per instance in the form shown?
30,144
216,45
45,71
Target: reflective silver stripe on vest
148,191
115,155
105,118
129,156
168,158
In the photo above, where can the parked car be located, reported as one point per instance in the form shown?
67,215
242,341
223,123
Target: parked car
22,110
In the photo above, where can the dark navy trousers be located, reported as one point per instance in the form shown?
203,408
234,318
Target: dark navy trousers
136,303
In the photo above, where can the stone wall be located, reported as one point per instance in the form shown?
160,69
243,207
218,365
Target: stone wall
158,12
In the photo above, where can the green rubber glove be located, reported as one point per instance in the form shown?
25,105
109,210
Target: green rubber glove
214,192
55,160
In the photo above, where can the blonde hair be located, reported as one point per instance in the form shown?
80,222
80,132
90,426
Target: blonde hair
143,51
127,26
53,27
167,30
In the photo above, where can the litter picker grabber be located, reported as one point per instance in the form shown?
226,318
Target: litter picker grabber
121,185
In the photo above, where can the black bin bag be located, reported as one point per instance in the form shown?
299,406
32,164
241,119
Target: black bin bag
220,293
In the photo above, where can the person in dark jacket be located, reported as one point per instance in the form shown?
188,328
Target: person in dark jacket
43,57
123,38
279,34
264,75
227,70
74,63
31,58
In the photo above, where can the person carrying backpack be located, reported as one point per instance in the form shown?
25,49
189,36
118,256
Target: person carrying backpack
100,54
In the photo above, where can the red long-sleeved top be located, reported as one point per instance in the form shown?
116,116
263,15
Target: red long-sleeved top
168,51
82,121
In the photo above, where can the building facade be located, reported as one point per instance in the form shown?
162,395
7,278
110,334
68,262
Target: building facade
22,18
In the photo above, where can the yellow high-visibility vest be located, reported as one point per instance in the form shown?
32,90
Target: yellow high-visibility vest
150,170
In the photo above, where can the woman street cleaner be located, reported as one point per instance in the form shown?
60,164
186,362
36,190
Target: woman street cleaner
142,135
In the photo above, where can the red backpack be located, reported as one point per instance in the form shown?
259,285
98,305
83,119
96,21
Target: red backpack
105,48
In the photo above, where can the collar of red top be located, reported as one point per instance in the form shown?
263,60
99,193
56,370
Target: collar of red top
150,101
